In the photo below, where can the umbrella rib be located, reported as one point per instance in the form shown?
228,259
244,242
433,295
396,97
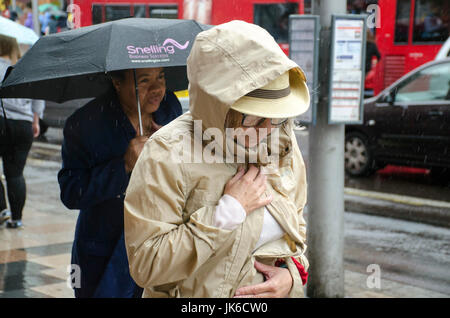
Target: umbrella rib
106,68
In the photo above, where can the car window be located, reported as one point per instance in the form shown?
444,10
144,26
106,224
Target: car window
430,84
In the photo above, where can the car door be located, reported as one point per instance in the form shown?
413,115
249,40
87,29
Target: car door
386,119
425,127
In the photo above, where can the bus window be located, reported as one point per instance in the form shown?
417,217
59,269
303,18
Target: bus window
402,21
431,22
116,12
139,11
275,18
164,12
96,14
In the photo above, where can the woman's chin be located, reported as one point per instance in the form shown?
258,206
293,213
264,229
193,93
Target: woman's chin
150,108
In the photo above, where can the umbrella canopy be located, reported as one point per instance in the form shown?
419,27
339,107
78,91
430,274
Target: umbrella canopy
22,34
73,64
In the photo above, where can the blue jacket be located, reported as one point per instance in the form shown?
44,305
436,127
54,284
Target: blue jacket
93,179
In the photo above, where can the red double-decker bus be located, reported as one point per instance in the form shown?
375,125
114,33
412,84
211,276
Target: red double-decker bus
410,33
273,15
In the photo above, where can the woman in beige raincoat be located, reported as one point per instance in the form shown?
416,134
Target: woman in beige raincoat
196,227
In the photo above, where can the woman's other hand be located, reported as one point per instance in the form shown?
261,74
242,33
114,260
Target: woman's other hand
278,283
133,151
36,126
248,189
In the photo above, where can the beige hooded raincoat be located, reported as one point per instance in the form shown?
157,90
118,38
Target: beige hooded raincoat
173,247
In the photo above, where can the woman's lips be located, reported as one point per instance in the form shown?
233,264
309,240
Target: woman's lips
155,100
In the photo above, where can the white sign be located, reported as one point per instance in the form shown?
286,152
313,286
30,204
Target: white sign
346,81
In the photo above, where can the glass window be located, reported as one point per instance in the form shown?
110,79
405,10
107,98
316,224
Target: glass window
430,84
402,21
431,21
139,11
116,12
275,18
96,14
164,12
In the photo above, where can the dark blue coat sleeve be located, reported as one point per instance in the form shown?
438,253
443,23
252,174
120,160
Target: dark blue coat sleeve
83,182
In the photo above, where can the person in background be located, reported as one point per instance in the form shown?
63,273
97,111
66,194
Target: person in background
19,123
371,51
102,141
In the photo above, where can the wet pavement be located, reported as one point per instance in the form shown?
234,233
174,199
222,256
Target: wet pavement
414,254
34,258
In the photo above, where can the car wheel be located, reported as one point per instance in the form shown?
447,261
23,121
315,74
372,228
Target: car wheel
358,157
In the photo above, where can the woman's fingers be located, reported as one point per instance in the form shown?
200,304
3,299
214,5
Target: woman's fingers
265,200
237,176
261,179
251,174
248,188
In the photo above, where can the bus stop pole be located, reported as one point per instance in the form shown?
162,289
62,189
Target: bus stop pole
325,211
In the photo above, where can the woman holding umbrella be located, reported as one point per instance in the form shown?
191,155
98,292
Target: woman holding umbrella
102,142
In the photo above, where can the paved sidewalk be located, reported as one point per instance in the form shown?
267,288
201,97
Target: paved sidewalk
34,259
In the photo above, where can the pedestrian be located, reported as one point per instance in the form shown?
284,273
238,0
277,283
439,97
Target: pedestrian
102,141
232,226
19,123
371,52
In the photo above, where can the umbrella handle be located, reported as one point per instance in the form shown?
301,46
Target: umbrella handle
138,103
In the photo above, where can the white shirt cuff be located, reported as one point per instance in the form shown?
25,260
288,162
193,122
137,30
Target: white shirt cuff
229,213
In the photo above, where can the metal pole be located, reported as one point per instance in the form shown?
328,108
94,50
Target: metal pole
141,132
35,10
325,234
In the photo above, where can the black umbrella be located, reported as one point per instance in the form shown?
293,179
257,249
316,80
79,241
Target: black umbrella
74,64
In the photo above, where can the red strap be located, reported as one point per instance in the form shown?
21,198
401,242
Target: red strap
301,269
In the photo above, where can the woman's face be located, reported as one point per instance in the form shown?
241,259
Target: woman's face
151,85
252,135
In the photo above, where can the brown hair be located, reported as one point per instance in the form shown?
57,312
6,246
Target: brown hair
9,47
233,119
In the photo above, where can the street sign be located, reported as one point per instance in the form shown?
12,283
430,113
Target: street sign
346,89
304,50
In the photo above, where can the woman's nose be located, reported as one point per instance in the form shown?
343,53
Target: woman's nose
156,86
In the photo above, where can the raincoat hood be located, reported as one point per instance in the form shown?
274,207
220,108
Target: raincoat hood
227,62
